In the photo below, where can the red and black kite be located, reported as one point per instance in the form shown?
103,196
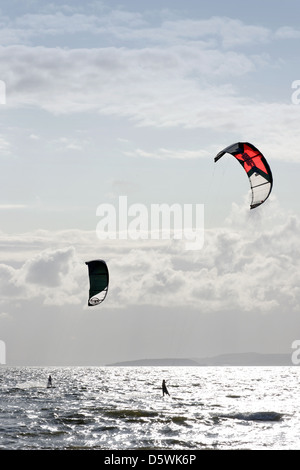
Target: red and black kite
256,167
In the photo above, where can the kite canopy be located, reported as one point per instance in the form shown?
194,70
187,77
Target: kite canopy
99,278
256,167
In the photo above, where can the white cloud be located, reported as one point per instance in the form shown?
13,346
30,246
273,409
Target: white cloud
230,32
48,268
60,80
188,73
51,275
111,23
163,153
247,265
5,146
12,206
287,32
127,26
173,87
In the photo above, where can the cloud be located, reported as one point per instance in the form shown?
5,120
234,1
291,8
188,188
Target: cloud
228,31
122,25
12,206
188,73
163,153
53,276
48,268
242,266
5,146
30,26
287,32
61,80
246,266
176,87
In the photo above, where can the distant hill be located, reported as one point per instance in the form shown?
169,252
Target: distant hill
157,362
247,359
242,359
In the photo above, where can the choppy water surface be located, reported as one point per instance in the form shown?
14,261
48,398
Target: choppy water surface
123,408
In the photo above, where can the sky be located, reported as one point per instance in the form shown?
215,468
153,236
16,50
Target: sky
102,100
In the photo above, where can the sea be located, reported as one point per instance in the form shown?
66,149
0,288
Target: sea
122,409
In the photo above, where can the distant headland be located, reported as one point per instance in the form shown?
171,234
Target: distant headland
242,359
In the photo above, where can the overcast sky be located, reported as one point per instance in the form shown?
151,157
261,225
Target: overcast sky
127,98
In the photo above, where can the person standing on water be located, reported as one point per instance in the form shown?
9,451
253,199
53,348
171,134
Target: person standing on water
164,388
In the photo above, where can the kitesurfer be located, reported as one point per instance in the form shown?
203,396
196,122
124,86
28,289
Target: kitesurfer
49,384
164,388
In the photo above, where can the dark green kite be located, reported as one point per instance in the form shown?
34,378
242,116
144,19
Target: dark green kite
99,279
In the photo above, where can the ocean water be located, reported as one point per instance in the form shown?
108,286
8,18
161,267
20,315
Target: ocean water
122,408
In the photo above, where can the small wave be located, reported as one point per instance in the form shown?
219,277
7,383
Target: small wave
75,418
131,414
255,416
29,385
179,419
